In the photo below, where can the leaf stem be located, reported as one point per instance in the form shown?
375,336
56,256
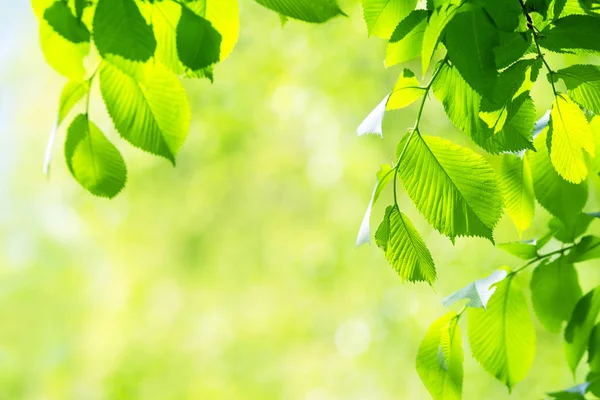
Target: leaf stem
535,35
542,257
413,130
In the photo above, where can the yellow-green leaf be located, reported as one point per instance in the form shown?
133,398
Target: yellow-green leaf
406,91
570,136
517,190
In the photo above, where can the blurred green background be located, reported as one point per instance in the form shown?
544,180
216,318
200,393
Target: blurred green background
234,275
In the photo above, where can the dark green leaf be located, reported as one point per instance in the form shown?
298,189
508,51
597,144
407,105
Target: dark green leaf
316,11
474,58
198,43
511,47
408,24
62,20
94,162
573,393
506,14
594,349
554,292
572,33
120,29
577,333
583,83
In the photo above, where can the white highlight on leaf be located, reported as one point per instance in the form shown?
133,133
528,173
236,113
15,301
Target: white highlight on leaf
364,233
373,123
49,148
478,292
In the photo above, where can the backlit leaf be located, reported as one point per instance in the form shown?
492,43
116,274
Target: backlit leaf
406,91
554,292
583,83
407,39
581,323
404,248
382,16
438,21
552,191
440,359
578,33
147,104
94,162
502,338
569,136
384,176
517,190
453,187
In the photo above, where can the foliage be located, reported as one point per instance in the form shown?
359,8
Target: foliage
487,56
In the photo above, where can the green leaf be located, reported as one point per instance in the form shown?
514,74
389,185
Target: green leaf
517,190
384,176
571,229
552,191
502,338
440,359
462,105
570,134
224,15
316,11
79,7
407,39
382,16
94,162
404,248
506,14
525,249
406,91
583,83
120,29
577,333
198,43
511,47
478,293
554,292
408,25
147,104
72,93
594,349
438,21
62,20
511,82
577,33
63,56
453,187
474,58
588,248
